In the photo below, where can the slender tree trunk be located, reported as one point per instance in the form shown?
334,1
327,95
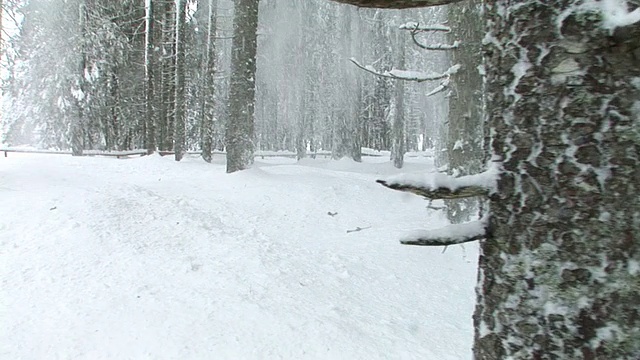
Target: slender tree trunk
301,137
180,105
166,110
1,29
113,124
343,118
241,125
303,113
150,134
77,131
356,106
209,99
560,275
399,146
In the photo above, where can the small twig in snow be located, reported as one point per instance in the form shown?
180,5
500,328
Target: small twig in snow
358,229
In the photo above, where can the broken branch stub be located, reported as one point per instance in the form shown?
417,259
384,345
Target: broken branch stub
439,193
449,235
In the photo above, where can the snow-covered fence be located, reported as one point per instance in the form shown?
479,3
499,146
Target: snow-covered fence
288,154
118,154
260,154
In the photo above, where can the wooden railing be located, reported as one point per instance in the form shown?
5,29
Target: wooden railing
128,153
118,154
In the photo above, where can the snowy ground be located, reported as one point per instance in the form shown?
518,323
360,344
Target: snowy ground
146,258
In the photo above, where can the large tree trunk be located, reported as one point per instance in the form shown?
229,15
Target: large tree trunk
209,98
241,125
166,109
465,153
342,117
560,275
179,141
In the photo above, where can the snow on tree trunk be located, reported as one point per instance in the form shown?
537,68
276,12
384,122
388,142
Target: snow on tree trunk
1,28
465,133
343,118
209,98
150,134
560,274
79,88
180,106
168,62
398,130
240,127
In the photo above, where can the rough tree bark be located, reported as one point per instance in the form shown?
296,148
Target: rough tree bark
241,125
559,274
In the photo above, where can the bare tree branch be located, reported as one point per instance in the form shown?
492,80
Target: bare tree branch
424,28
439,193
443,241
396,4
444,85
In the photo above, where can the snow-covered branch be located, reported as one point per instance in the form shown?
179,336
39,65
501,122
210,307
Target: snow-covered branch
396,4
615,13
408,75
455,45
448,235
415,28
444,85
441,186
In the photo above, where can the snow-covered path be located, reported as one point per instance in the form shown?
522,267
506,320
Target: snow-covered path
150,259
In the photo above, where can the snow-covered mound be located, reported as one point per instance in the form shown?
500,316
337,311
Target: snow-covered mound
147,258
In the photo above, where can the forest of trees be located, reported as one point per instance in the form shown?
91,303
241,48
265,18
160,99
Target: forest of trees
554,103
165,75
559,267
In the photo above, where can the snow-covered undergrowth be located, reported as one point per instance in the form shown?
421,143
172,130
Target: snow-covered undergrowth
146,258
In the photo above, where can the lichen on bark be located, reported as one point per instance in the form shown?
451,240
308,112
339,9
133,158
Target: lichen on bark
557,277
